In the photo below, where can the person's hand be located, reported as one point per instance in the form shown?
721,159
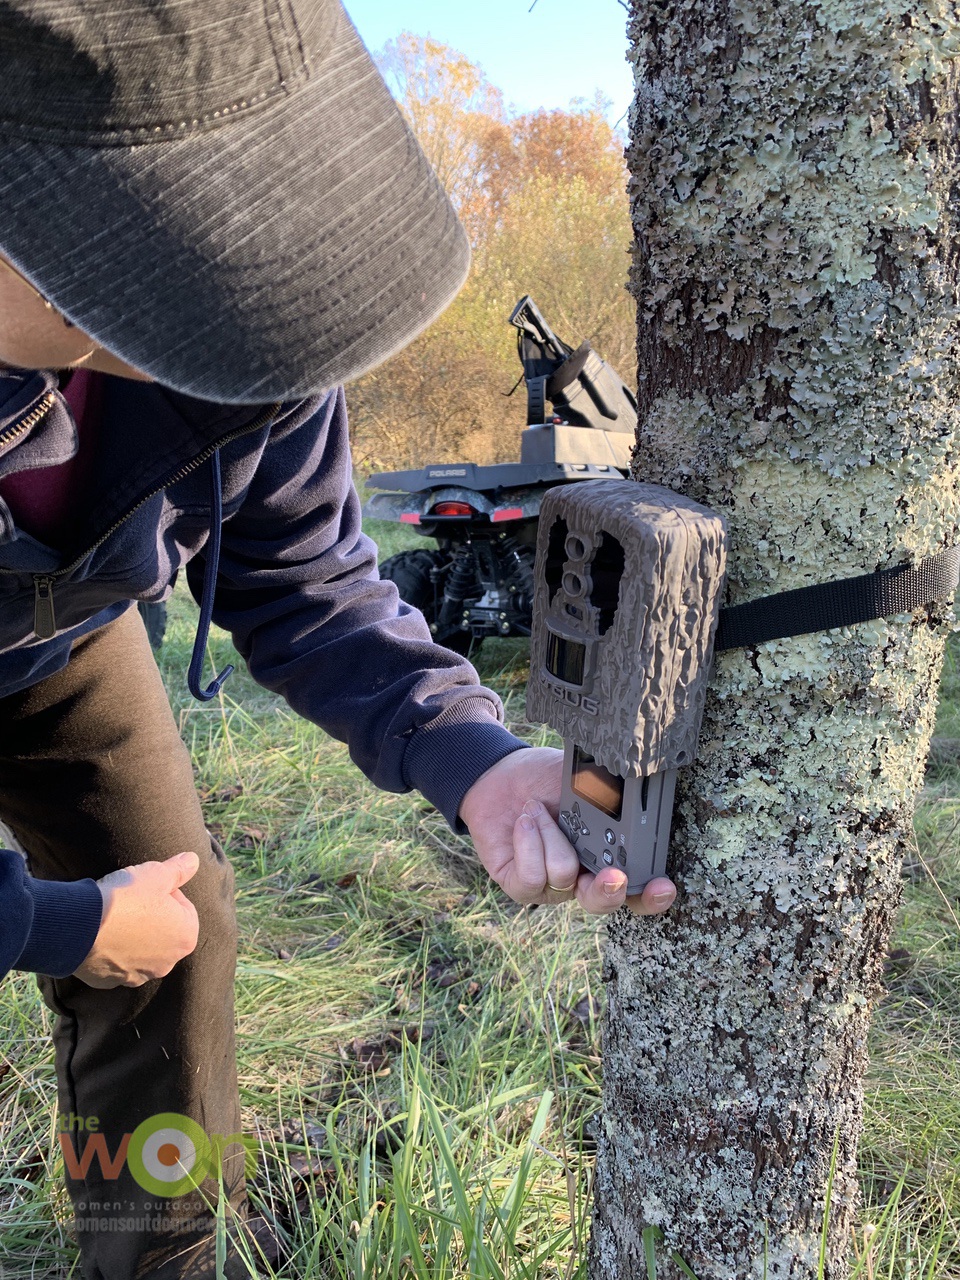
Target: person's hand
511,814
148,924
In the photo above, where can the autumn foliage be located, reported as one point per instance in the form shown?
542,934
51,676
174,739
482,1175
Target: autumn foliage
543,198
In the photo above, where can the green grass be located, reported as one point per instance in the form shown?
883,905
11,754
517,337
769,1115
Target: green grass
419,1058
391,537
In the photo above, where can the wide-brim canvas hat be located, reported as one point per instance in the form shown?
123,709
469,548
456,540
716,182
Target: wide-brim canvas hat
221,192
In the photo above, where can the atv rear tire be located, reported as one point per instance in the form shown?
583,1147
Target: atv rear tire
409,571
155,620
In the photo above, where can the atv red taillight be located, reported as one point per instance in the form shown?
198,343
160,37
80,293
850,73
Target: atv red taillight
453,509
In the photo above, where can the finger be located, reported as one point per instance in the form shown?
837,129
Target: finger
181,867
603,893
189,920
561,864
525,876
658,896
191,928
187,908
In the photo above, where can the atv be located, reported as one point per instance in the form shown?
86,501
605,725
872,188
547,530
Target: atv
155,620
479,580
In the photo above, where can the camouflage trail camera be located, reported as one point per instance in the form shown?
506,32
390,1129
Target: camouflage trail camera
628,583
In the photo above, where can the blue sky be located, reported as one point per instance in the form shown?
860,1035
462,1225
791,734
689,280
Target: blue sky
563,49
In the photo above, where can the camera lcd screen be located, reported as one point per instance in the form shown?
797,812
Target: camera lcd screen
591,782
565,659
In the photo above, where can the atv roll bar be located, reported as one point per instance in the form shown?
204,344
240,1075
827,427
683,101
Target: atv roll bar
541,354
584,390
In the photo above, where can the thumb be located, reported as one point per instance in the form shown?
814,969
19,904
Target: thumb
183,867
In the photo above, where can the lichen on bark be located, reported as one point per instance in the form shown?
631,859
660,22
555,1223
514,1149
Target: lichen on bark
794,186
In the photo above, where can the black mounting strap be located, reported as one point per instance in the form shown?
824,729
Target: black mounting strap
840,604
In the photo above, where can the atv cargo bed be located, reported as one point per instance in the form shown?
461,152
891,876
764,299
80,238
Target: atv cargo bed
505,475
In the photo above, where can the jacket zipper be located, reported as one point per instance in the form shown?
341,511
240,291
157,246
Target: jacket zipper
30,421
44,617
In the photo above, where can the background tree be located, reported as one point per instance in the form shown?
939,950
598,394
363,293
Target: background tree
794,192
543,197
449,103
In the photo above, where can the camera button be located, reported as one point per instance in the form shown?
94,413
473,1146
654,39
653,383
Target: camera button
608,857
610,836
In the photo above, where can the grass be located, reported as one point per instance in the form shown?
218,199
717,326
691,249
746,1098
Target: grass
419,1058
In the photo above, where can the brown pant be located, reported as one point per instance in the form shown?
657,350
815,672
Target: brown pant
94,776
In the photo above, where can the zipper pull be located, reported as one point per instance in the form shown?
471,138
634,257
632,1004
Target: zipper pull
44,619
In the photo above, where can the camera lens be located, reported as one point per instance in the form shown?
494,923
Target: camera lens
573,584
576,548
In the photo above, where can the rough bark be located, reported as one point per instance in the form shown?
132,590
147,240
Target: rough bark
795,191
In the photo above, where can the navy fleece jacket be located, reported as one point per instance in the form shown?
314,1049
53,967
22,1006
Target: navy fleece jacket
296,586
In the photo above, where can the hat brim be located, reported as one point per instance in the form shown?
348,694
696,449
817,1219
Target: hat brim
286,251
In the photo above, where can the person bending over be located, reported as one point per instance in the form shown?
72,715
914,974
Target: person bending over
212,215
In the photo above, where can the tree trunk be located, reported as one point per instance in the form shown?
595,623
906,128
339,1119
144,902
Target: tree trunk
795,189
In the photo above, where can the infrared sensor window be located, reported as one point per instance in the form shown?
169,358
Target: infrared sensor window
605,574
556,555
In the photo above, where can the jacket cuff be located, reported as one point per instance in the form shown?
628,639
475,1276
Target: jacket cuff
446,756
66,921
